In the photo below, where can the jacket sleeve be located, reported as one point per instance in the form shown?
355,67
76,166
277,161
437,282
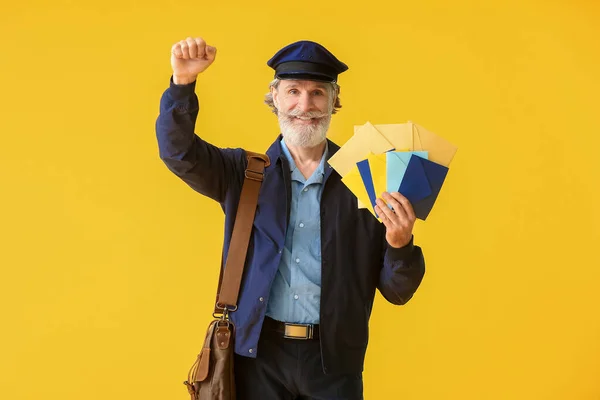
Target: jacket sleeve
205,168
402,272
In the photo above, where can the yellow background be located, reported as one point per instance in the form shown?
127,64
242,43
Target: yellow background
109,262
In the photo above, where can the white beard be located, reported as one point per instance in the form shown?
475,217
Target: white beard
303,135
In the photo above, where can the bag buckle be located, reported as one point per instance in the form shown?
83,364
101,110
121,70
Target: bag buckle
225,310
254,176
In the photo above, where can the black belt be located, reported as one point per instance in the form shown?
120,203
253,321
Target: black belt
292,331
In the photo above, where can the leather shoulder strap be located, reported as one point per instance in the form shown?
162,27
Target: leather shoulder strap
231,278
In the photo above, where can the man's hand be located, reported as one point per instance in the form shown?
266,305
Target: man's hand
398,222
189,58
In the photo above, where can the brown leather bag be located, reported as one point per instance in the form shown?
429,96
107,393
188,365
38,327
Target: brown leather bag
212,377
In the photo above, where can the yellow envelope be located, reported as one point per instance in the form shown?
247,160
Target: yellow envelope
440,150
399,135
366,140
378,167
354,182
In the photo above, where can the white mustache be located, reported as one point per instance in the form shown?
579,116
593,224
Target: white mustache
307,115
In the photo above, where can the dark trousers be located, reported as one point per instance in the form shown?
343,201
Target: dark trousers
291,369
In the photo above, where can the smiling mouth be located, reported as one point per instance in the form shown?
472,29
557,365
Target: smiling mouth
304,120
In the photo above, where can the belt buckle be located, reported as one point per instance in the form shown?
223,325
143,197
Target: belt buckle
298,331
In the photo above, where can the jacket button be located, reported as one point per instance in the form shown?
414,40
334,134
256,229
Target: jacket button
261,299
250,351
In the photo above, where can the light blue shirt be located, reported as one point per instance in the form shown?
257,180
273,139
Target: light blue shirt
296,291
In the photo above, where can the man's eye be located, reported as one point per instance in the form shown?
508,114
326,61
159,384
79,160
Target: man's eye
318,93
293,91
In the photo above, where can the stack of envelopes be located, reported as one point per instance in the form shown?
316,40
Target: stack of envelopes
403,158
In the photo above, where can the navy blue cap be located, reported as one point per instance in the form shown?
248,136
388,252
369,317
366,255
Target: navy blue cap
306,60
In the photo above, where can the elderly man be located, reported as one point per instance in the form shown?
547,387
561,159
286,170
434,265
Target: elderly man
314,258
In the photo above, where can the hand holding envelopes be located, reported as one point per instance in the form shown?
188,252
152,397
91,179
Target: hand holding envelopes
403,158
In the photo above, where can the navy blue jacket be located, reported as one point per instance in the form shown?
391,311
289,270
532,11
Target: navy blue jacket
356,259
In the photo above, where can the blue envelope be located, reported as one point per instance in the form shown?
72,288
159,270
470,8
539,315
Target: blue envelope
365,174
396,163
422,183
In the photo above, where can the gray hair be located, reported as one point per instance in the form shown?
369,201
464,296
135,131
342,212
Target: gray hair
332,87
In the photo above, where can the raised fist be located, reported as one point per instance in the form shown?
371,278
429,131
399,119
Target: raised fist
189,58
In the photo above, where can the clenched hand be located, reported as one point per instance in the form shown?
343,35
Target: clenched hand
189,58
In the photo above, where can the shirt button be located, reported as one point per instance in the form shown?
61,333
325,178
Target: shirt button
297,260
301,225
305,190
250,351
261,299
280,251
296,296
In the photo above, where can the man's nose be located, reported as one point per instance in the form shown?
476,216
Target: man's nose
305,102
